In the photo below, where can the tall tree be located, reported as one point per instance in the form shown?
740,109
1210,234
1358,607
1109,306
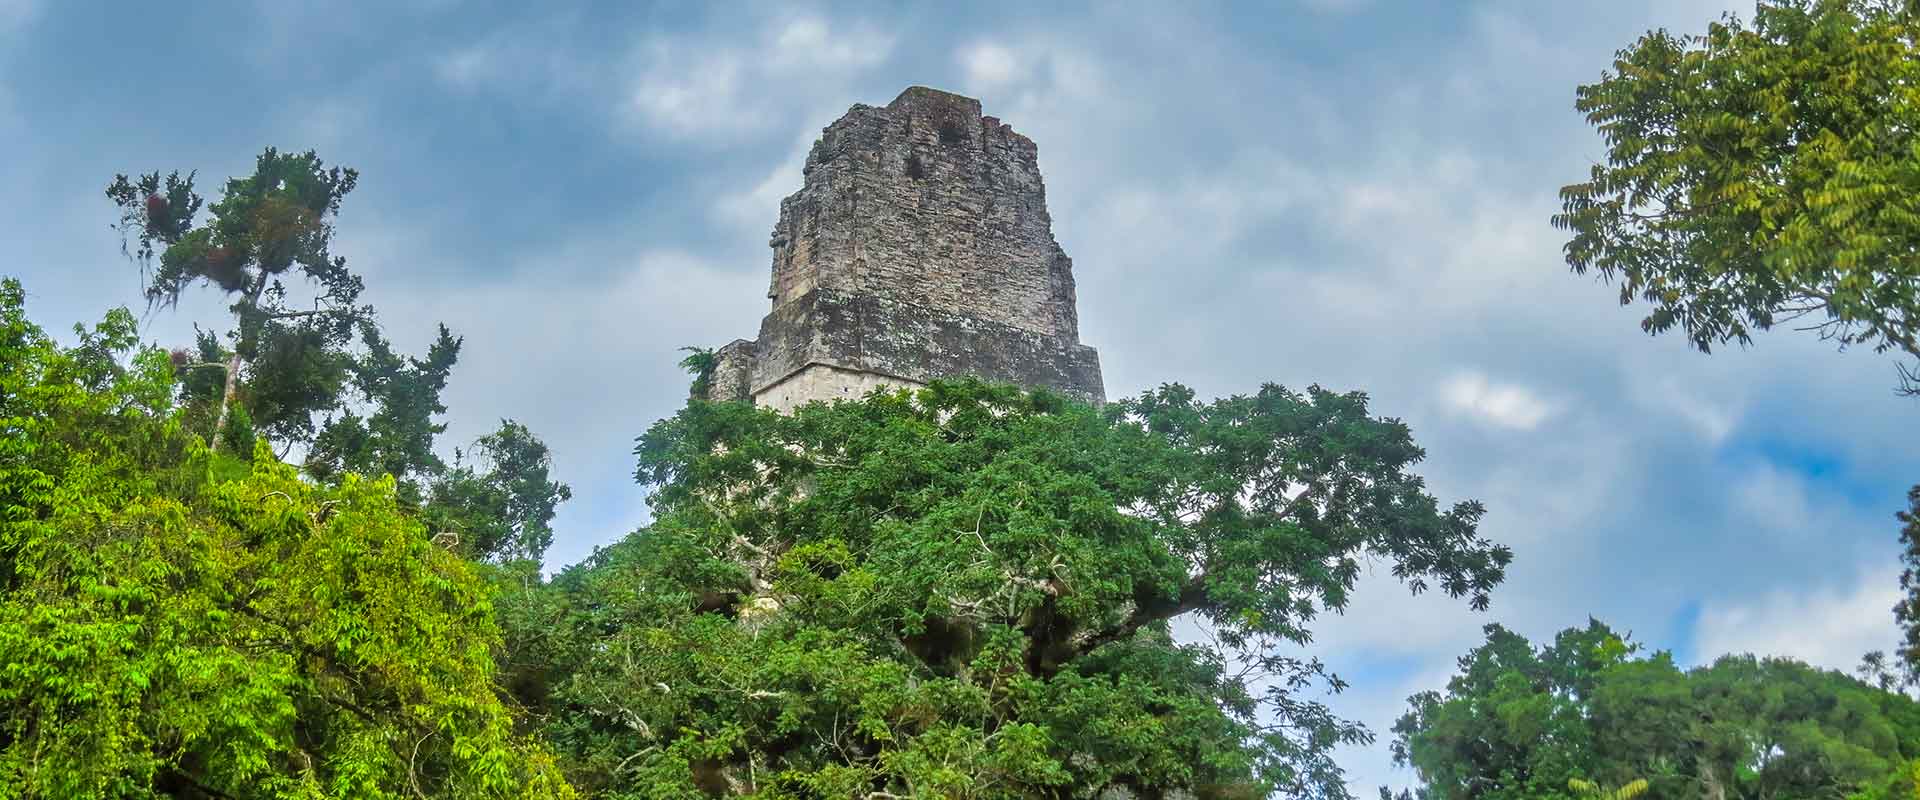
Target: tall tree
1763,173
267,227
498,500
324,376
967,591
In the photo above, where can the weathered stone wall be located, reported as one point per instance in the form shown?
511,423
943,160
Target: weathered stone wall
733,370
914,342
824,382
926,201
918,247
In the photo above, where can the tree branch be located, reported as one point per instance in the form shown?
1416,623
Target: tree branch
1192,596
314,313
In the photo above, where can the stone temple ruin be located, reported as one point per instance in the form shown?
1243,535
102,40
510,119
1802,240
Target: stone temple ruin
919,247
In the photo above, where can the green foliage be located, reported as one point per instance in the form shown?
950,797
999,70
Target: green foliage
1587,711
282,368
166,631
700,363
295,373
1765,173
966,591
1902,785
239,436
1877,670
285,364
1761,174
1907,611
264,224
1594,791
397,437
498,501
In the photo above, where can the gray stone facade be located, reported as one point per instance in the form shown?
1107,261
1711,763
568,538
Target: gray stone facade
918,247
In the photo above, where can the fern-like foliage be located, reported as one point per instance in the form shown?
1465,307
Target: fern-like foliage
1594,791
700,362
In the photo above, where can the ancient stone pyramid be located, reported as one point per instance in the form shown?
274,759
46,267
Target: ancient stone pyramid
918,248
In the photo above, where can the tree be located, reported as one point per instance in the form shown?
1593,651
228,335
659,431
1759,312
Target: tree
281,369
1763,174
1483,737
498,501
265,228
167,631
397,437
968,591
1516,723
1907,611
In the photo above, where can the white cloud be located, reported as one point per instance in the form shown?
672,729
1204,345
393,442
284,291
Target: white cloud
329,123
468,66
569,367
1363,200
1504,404
986,65
1195,218
1385,619
811,43
1712,412
1776,501
695,87
1234,216
10,118
1371,765
688,94
1827,626
535,60
705,89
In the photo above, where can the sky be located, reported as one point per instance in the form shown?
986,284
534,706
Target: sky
1341,192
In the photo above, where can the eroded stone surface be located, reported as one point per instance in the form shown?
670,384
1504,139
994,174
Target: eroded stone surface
919,247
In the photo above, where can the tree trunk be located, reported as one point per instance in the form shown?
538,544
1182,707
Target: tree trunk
233,363
226,399
1711,789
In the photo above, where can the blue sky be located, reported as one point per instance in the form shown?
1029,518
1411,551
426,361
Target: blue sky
1340,192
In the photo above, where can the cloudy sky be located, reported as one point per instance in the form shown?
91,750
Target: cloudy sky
1341,192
